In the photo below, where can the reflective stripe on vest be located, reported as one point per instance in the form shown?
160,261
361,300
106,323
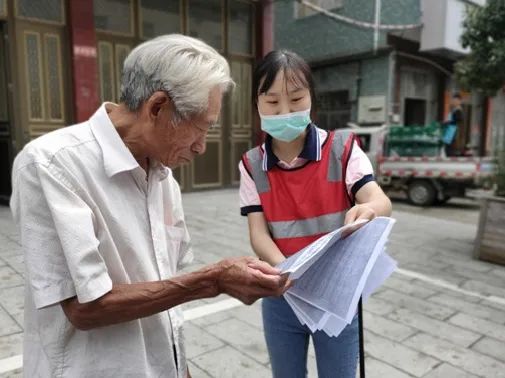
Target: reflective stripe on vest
255,160
306,227
296,226
337,151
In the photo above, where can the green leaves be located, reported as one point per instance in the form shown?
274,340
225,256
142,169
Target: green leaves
484,67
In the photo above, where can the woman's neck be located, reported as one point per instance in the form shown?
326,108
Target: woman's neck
287,151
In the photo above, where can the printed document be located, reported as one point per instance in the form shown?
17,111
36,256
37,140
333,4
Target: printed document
332,273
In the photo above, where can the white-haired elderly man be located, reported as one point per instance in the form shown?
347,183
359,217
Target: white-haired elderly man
102,225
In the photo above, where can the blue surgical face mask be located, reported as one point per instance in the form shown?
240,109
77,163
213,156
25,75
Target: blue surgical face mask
285,127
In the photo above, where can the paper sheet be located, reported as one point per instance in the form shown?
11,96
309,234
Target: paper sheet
331,274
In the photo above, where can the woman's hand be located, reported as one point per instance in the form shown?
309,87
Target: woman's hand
371,202
362,212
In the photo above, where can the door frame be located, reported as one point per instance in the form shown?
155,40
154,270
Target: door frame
6,127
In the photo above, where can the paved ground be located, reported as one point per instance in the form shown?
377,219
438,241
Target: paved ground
441,315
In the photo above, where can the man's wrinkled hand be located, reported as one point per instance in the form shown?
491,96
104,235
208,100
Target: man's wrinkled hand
248,279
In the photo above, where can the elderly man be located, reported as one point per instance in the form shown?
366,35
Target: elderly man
103,228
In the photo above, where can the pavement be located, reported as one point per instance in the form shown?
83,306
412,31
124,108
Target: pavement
442,314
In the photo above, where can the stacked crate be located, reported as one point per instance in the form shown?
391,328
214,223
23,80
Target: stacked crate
415,140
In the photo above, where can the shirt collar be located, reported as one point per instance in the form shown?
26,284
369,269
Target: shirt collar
116,156
311,149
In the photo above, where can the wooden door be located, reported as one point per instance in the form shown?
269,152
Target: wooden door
43,67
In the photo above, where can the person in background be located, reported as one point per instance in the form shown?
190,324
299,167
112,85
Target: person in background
453,132
302,183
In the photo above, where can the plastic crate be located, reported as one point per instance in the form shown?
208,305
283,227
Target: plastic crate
415,140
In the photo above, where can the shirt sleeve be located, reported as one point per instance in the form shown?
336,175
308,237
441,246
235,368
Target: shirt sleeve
359,171
249,198
58,237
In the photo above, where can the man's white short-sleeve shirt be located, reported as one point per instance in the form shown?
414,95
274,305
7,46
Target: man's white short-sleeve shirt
90,218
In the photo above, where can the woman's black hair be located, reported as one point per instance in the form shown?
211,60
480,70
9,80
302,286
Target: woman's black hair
295,70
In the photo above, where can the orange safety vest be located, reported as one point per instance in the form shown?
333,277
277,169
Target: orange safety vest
305,203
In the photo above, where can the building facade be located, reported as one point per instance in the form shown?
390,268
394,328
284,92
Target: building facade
59,59
369,75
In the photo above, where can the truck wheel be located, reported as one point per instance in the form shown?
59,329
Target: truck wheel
421,193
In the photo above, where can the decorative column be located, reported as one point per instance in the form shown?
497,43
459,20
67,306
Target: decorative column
264,44
84,59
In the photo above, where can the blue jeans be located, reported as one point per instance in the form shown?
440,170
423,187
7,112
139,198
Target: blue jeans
288,340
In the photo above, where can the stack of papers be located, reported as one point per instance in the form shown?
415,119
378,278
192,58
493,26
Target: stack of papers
331,274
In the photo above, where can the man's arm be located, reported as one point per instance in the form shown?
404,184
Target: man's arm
246,279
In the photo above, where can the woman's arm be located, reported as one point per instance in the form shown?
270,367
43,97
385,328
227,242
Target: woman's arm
259,235
261,241
370,203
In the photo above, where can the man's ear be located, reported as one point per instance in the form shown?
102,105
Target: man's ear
156,102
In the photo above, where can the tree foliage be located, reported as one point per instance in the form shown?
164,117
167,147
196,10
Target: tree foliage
484,68
484,34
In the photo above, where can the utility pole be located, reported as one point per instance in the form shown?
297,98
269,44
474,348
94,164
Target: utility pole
377,23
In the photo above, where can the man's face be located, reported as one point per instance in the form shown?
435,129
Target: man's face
176,144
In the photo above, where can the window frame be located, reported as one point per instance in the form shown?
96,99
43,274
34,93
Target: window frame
224,40
41,20
4,11
117,33
252,30
141,35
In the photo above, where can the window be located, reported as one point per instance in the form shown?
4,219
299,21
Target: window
54,77
240,28
44,10
241,115
122,52
415,112
241,111
111,57
205,21
3,8
106,71
159,17
114,16
302,11
44,77
34,75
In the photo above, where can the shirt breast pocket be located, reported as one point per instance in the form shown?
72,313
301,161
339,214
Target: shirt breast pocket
175,236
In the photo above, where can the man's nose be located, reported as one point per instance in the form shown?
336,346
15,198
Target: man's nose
199,146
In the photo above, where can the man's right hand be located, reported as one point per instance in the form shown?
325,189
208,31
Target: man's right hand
248,279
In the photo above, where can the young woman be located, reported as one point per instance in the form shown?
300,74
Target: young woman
302,183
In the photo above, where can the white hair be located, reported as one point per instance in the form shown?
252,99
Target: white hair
183,67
